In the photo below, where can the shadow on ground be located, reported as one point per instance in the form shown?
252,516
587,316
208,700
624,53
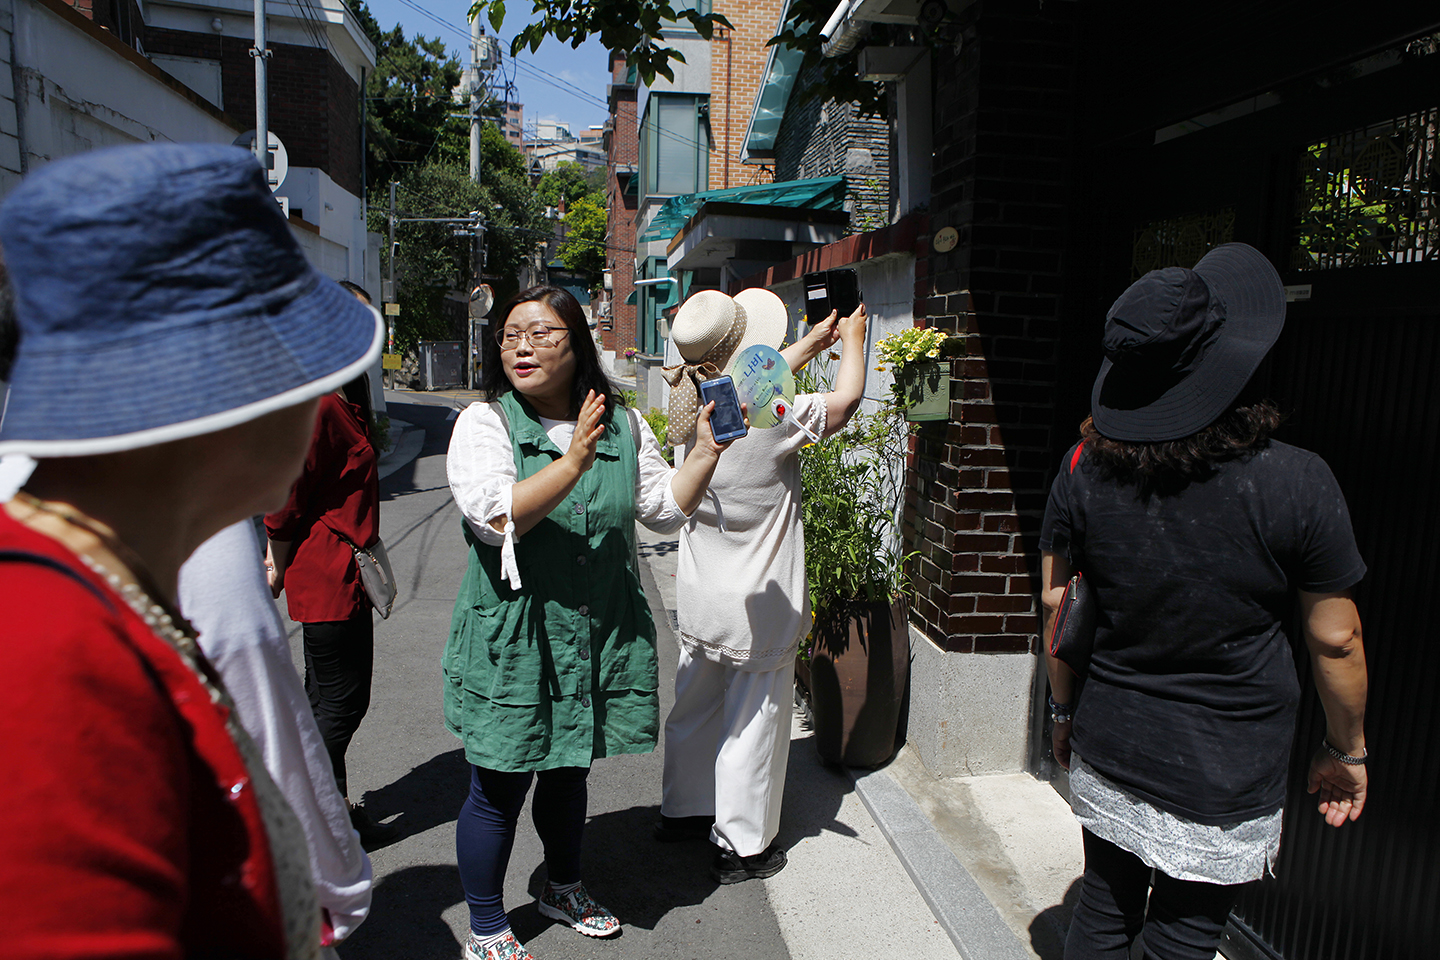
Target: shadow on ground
1048,929
411,901
426,797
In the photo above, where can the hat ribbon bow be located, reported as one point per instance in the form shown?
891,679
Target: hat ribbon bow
684,380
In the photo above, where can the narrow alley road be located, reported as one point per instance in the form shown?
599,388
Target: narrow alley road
843,892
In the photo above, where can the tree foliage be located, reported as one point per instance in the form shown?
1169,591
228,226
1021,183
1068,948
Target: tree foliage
432,260
583,249
631,27
409,102
568,182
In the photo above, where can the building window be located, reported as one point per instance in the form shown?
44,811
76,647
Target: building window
674,145
1180,241
1369,196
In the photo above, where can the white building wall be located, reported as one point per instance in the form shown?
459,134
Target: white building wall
72,92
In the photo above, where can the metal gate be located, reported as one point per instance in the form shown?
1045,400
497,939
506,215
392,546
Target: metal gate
1365,391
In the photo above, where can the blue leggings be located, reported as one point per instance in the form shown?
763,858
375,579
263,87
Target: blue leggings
485,834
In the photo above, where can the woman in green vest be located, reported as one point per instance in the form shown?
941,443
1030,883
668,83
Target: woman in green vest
551,657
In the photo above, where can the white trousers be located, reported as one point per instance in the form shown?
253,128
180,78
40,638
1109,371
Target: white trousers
727,743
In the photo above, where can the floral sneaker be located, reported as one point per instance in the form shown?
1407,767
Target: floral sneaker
578,909
506,948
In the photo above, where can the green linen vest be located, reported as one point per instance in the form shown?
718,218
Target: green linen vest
563,670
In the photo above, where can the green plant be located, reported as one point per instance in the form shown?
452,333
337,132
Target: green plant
380,432
852,485
629,397
660,424
908,348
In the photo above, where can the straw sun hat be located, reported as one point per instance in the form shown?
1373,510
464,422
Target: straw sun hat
708,330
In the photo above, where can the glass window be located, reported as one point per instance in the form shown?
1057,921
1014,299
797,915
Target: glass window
675,146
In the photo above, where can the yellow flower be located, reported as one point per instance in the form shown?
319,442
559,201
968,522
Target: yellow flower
934,352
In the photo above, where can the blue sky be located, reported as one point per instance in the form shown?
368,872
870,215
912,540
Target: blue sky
554,83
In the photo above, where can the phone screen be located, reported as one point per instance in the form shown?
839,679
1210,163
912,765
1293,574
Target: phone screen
726,420
827,290
844,288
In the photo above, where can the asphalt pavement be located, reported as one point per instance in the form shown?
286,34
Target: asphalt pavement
868,872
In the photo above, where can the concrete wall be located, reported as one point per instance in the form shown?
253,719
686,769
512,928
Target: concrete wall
969,712
74,88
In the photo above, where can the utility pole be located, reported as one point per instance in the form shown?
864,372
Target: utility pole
477,35
388,291
261,53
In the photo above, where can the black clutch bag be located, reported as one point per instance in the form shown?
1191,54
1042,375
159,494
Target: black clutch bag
1074,635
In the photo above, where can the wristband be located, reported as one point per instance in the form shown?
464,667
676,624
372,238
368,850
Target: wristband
1063,712
1345,758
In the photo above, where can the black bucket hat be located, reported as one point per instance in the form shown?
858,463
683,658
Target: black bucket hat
1180,345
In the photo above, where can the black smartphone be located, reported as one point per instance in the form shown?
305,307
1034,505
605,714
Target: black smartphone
827,290
727,421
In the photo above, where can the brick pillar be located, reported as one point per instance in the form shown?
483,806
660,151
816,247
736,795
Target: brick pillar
977,491
737,67
622,146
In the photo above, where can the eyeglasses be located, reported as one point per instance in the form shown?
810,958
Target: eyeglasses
509,338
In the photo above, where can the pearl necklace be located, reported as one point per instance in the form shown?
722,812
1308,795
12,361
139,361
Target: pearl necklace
165,622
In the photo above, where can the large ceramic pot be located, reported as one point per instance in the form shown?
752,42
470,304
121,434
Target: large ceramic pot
858,670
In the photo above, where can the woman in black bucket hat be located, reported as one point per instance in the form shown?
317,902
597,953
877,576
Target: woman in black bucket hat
1195,531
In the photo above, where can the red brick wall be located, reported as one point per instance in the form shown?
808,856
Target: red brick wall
314,105
624,148
737,67
978,483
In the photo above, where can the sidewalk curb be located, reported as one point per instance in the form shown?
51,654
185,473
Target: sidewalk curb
406,441
962,909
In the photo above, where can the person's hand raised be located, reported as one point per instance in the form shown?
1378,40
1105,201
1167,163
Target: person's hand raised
588,431
852,328
705,443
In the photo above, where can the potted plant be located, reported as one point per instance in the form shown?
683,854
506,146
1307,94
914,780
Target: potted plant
859,649
919,359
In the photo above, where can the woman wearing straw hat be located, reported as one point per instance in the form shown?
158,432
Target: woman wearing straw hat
551,659
740,588
139,815
1195,531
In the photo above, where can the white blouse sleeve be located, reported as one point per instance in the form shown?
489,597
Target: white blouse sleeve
809,409
480,466
655,504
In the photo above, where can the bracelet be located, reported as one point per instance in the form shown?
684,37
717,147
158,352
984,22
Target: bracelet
1345,758
1062,712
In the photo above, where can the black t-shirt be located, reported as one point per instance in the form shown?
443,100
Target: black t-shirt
1191,696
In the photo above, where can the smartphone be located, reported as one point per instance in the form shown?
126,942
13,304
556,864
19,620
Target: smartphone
827,290
727,422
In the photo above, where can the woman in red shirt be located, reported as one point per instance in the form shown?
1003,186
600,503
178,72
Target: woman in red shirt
335,503
140,820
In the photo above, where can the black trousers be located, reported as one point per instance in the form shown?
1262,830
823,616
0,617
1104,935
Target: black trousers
339,659
1180,920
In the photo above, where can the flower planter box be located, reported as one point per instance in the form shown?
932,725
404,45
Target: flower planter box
926,388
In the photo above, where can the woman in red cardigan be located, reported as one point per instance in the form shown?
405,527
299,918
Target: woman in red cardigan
335,503
140,821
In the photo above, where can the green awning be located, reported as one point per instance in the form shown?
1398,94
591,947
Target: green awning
631,299
825,193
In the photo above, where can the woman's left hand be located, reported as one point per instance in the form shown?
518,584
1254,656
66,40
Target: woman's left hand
705,437
1060,742
1341,787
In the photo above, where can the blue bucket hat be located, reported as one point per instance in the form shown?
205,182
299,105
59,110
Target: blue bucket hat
159,295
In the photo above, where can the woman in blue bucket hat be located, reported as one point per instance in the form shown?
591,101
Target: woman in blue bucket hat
173,346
